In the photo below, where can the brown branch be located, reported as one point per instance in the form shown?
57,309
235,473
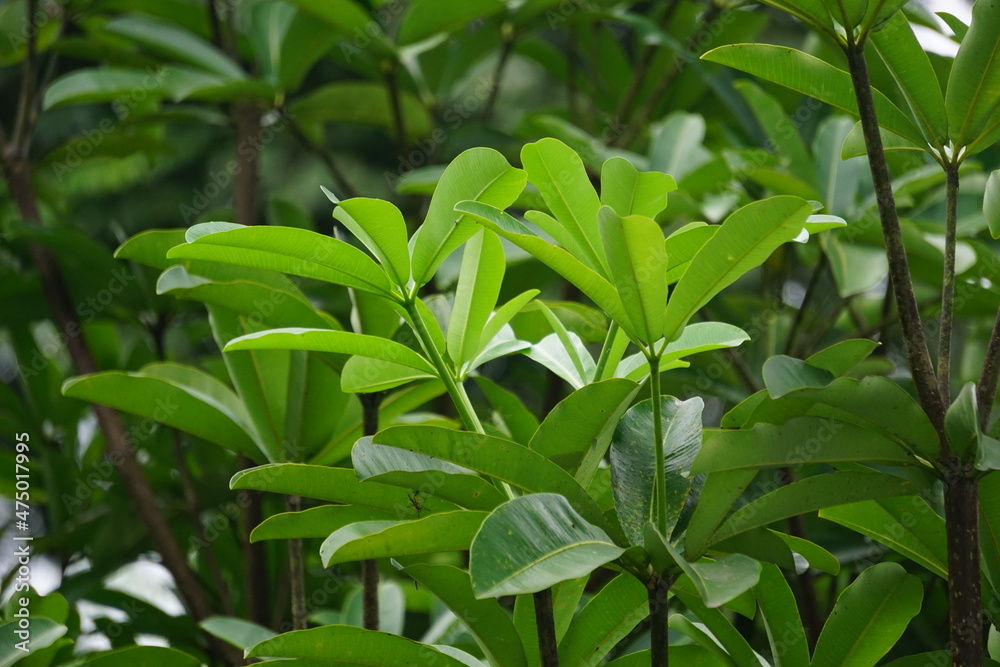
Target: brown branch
545,625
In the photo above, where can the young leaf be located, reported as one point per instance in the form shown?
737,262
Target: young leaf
558,173
380,226
719,581
339,342
631,192
974,83
633,461
869,617
567,357
637,260
530,543
479,174
479,280
446,531
745,240
810,76
285,249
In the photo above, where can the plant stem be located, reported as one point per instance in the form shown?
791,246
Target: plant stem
451,385
546,628
659,616
369,567
986,392
961,509
609,342
660,478
296,571
914,341
948,280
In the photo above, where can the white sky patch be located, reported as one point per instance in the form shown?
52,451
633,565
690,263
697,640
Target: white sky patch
936,42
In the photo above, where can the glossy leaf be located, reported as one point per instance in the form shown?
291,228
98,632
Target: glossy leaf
683,245
779,612
974,84
717,581
175,43
350,645
869,617
607,618
530,543
144,656
633,461
630,192
43,632
447,531
784,374
380,226
241,634
315,522
483,267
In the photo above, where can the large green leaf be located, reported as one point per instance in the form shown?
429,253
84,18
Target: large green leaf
797,442
286,42
576,433
337,485
530,543
340,342
361,102
683,245
631,192
779,612
558,173
412,470
143,656
633,462
717,581
426,18
241,634
869,617
479,174
607,618
286,249
501,459
479,280
208,410
783,374
637,260
42,633
317,522
746,239
718,634
446,531
717,497
909,526
174,43
813,12
486,619
908,63
380,226
350,646
782,134
974,84
703,337
591,283
810,76
811,494
351,20
98,84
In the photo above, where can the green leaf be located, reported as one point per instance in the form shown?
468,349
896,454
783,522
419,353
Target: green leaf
784,374
143,656
287,43
956,24
447,531
689,655
717,581
364,375
483,266
631,192
339,342
296,251
510,414
910,67
812,12
854,143
363,103
607,618
635,254
43,632
869,617
174,43
745,240
841,358
811,494
576,433
316,522
486,619
906,525
352,647
530,543
480,175
501,459
412,470
683,245
676,147
974,83
380,226
721,638
810,76
782,134
718,495
558,173
961,424
633,461
150,247
991,204
241,634
799,441
201,406
817,557
779,612
426,18
336,485
353,21
591,283
98,84
504,314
